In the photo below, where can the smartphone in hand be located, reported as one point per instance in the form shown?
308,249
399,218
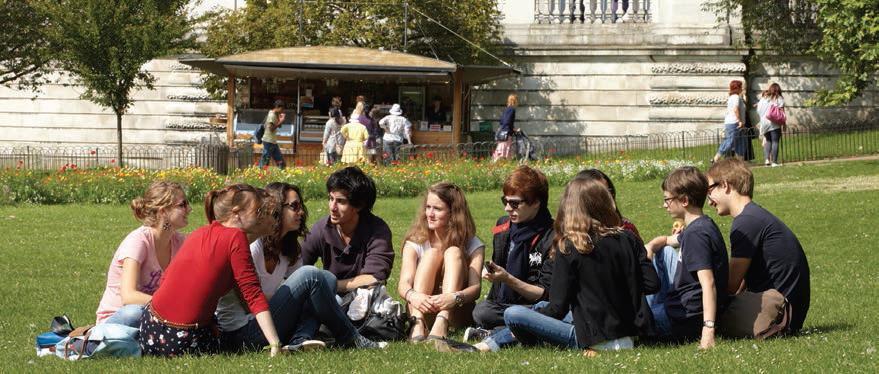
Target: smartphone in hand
489,267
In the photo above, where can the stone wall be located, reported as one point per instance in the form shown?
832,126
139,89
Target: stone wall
177,111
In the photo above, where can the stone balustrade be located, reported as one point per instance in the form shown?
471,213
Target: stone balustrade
591,11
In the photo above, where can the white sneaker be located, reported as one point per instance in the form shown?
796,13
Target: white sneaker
475,334
775,165
306,346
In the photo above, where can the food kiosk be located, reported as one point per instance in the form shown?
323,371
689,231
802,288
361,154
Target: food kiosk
434,94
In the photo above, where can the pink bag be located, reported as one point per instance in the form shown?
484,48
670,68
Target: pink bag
776,115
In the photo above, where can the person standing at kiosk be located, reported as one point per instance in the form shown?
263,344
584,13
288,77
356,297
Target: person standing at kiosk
397,129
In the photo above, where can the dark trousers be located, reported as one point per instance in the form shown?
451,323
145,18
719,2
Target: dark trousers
490,314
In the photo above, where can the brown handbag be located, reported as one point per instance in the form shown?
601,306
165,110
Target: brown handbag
757,315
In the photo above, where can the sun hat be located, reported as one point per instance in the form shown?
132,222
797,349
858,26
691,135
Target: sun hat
395,110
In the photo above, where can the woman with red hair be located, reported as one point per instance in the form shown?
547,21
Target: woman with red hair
734,120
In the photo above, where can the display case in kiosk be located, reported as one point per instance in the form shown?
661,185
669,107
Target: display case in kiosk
307,78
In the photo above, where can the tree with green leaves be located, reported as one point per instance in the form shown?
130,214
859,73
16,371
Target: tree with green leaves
379,24
842,33
24,47
103,45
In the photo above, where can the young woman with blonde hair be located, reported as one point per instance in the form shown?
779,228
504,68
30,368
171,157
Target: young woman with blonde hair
597,275
442,259
146,252
504,135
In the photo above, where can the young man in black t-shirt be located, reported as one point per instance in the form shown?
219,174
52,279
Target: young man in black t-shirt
692,283
765,253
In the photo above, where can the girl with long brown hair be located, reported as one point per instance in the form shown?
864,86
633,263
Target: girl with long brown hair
442,259
771,131
597,275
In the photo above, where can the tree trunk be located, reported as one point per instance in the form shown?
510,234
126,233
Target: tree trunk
119,138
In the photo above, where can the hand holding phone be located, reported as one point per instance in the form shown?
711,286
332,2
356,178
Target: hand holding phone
489,267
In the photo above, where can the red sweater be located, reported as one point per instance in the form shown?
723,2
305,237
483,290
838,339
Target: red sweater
213,259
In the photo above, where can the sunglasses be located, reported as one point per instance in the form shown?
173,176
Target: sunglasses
295,206
668,200
513,203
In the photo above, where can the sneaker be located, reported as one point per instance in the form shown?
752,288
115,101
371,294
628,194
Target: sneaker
305,346
361,342
766,163
475,334
775,165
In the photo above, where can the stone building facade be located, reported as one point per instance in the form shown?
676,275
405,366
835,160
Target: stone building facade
599,67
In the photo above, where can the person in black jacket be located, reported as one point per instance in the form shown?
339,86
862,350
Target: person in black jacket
598,275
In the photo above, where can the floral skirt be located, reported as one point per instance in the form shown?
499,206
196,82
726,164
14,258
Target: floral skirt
158,338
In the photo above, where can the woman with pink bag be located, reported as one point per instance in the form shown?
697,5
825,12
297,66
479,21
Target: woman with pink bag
772,121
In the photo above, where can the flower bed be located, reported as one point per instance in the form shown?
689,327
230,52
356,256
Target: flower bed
119,185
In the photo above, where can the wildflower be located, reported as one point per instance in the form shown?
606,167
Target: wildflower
91,152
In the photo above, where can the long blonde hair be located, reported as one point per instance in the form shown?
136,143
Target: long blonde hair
358,110
586,210
460,227
512,100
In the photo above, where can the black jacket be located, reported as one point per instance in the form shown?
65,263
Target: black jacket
604,289
540,268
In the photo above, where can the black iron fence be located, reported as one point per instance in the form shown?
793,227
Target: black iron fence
213,156
797,144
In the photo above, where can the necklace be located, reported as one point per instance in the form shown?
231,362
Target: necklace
344,238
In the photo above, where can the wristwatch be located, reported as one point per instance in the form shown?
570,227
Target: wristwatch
458,299
709,324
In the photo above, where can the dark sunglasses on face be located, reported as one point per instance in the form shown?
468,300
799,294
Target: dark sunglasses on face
713,186
513,203
295,206
668,200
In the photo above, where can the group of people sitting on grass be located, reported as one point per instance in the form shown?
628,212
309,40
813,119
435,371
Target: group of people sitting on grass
581,280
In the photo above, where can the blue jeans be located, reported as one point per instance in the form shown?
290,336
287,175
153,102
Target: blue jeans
666,264
271,151
306,298
729,138
128,315
531,327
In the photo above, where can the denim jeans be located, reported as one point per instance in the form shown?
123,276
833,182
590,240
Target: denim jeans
306,298
271,151
128,315
530,327
393,150
729,137
666,264
502,336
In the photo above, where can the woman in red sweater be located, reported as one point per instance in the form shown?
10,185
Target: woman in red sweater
214,259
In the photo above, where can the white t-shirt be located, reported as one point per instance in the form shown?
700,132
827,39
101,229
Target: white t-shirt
731,103
231,314
472,245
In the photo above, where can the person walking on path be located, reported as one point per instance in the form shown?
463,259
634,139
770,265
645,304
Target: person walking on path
504,135
735,111
270,149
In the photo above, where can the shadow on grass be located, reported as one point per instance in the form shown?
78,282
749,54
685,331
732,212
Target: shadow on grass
826,328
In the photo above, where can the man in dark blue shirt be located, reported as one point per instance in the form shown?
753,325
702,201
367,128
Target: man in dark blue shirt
765,252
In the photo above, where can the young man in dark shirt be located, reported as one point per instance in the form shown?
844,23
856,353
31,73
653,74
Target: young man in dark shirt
765,253
351,242
692,283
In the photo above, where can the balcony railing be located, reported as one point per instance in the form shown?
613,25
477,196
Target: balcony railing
591,11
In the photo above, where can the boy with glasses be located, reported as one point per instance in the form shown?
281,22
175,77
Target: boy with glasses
693,281
765,253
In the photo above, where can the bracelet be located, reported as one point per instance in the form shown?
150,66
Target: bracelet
406,295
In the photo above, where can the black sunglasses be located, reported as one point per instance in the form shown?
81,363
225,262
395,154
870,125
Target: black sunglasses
295,206
713,186
513,203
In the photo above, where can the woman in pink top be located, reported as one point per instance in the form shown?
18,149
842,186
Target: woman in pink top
138,264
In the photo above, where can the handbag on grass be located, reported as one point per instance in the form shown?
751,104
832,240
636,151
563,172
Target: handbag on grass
757,315
378,316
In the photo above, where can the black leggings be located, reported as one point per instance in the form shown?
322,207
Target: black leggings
773,139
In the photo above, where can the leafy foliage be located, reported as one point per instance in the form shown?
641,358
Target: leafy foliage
24,47
264,25
844,33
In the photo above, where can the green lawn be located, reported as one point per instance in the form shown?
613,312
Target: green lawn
55,259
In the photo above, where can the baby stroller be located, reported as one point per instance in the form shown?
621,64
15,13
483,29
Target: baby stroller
524,146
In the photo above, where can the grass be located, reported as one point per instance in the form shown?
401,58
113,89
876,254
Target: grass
55,260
